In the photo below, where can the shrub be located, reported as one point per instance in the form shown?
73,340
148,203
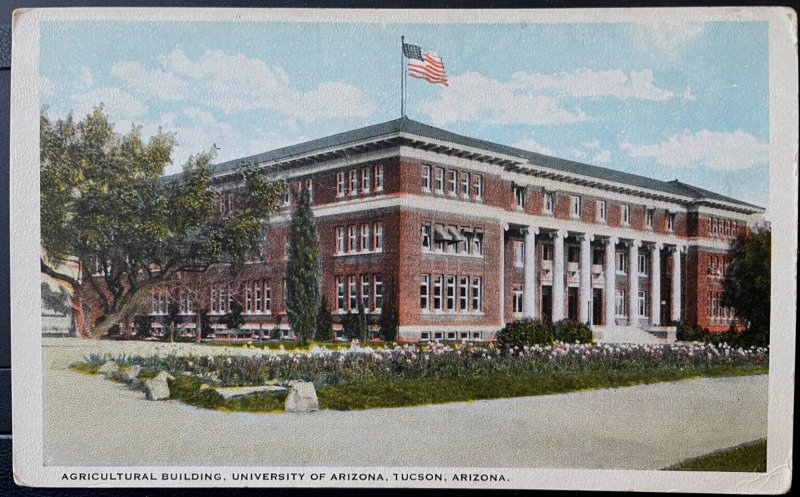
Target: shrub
570,332
524,332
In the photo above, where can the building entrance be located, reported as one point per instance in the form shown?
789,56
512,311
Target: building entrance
597,306
547,303
572,303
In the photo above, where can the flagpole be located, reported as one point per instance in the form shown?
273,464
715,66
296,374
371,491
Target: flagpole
402,80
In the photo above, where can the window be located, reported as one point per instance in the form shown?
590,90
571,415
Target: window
310,190
626,214
575,206
547,252
622,263
214,304
477,294
378,292
377,244
340,247
451,246
352,235
643,304
439,180
426,237
287,196
379,178
548,203
353,292
159,302
597,257
477,243
340,298
452,179
478,186
365,237
671,221
366,180
353,182
426,178
365,292
465,185
573,253
601,211
341,185
437,292
643,264
519,197
650,218
620,307
424,292
248,298
451,294
463,294
268,299
518,300
519,253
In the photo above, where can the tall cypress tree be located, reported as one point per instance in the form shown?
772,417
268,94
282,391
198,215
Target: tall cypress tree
303,272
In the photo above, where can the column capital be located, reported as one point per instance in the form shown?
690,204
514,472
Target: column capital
586,237
505,227
559,234
530,229
612,240
636,243
657,246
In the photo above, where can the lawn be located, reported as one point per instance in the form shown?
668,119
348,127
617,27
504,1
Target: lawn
746,458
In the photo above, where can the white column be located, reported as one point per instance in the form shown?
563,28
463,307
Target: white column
655,284
633,282
529,302
585,279
558,275
676,284
502,277
610,290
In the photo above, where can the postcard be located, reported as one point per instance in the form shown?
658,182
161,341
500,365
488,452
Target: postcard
530,249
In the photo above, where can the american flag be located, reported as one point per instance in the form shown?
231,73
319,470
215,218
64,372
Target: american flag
425,65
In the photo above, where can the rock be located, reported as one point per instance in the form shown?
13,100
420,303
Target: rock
302,397
108,369
131,373
158,388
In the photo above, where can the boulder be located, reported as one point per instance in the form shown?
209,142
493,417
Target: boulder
108,369
302,397
131,373
158,388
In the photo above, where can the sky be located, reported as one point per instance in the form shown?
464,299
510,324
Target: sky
683,101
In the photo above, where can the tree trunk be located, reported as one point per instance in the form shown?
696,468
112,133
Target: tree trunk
131,304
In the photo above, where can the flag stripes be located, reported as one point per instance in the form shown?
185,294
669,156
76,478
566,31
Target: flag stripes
425,66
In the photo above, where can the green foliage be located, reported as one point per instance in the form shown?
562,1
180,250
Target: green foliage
143,328
276,333
570,332
303,272
524,332
389,320
205,323
747,282
324,321
687,333
356,325
746,458
191,391
106,204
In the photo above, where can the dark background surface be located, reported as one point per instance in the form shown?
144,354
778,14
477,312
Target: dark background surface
7,486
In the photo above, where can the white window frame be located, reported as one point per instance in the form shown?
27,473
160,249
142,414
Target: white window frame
450,294
366,180
438,176
341,294
548,202
643,301
601,211
622,263
425,293
519,197
352,292
518,300
352,239
519,253
642,265
267,298
378,292
377,242
650,218
465,183
366,237
477,243
438,293
258,298
626,214
426,178
341,241
353,185
452,182
427,236
575,206
366,292
477,294
379,178
477,183
620,304
463,293
671,221
341,185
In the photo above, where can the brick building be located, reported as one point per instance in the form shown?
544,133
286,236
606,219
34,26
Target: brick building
462,235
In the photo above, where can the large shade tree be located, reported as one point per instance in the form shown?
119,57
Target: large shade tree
107,209
747,282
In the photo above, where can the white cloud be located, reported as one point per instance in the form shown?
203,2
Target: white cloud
586,83
663,40
121,106
592,144
717,150
235,82
87,78
533,146
474,97
603,157
688,95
